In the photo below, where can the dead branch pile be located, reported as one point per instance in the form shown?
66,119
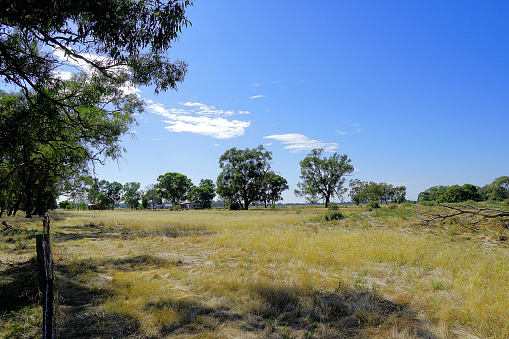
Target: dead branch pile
469,214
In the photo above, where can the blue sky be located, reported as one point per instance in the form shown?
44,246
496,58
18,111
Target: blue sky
414,92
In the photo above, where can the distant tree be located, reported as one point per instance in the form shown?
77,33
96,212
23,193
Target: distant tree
113,191
152,195
273,186
364,192
323,178
65,204
132,194
174,187
399,194
242,176
499,189
204,193
435,193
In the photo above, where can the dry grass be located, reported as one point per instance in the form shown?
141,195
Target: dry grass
269,274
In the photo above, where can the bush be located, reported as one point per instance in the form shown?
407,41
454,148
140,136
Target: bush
427,203
333,206
393,206
177,208
234,206
372,205
334,215
273,206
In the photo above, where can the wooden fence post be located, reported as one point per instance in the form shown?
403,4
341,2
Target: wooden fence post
45,265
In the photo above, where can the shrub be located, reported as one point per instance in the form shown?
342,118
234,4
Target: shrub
393,206
234,206
273,206
333,206
372,205
177,208
427,203
334,215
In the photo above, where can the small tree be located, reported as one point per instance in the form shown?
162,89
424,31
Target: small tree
323,178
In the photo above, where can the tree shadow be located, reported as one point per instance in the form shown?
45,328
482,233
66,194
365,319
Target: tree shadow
99,231
286,312
78,314
19,286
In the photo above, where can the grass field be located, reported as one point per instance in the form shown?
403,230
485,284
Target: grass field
283,273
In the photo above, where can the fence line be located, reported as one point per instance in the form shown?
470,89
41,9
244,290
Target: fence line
45,266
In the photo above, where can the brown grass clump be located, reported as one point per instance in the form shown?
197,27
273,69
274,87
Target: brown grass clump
283,273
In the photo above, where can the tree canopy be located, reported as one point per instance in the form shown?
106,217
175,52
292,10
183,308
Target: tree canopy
55,126
174,187
323,178
243,173
124,40
364,192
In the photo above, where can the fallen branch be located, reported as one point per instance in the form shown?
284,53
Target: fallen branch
6,226
441,212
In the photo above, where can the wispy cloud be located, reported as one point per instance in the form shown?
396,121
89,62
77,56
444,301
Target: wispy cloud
257,96
256,84
298,142
342,133
202,119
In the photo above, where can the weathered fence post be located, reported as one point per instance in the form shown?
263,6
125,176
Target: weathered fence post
45,265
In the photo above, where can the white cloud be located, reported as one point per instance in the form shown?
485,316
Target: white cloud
64,75
256,84
342,133
299,142
257,96
201,119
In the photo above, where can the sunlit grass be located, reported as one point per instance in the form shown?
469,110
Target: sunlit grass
266,273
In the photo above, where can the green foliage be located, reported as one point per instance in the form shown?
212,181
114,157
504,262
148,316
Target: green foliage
273,206
243,174
363,192
435,193
372,205
177,208
132,194
323,178
64,204
204,193
334,215
174,186
498,190
333,206
134,35
272,187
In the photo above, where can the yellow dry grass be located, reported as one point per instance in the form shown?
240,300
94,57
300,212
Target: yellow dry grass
282,273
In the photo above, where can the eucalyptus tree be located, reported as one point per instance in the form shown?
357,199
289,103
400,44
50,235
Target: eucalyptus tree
56,126
204,193
243,174
323,178
124,40
273,187
174,186
131,194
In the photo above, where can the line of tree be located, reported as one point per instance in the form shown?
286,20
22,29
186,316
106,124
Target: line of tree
364,192
498,190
